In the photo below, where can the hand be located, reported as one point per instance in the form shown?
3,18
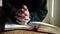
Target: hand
35,28
22,15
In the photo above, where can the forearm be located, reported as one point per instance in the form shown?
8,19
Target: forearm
38,16
34,16
41,13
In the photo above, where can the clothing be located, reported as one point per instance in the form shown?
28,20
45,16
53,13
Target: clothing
37,8
1,17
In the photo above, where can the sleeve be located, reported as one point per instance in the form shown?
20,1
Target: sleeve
1,17
40,14
9,9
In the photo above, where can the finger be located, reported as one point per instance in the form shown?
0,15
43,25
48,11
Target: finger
20,22
36,27
20,19
26,13
26,21
23,10
27,17
20,14
25,7
20,11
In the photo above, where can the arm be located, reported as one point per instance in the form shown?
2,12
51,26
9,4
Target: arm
9,9
40,14
2,18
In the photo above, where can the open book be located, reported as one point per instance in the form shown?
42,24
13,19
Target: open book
44,27
28,26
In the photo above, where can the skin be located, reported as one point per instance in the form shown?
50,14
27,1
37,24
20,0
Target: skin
22,16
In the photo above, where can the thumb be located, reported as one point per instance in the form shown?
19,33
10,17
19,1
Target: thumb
25,7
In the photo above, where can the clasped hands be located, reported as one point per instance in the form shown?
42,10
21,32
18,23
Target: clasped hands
22,16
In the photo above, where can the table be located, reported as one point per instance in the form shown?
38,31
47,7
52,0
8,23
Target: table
22,32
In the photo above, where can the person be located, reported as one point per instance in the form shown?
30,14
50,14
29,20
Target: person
24,11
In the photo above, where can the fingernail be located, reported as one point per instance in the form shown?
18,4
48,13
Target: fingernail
25,7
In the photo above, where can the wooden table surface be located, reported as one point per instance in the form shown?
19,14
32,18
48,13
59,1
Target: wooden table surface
22,32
